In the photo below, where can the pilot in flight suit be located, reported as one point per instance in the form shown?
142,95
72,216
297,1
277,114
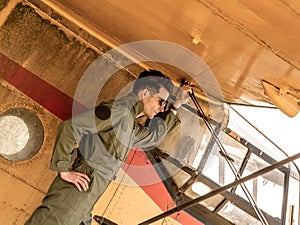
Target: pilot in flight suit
105,136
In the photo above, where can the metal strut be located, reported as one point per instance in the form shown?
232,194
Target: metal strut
229,160
222,189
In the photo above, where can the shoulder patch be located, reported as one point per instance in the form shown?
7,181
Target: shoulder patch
102,112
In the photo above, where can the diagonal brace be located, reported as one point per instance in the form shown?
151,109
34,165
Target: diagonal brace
222,189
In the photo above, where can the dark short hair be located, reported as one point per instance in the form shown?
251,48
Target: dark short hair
153,80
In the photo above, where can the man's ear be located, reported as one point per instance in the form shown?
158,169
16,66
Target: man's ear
143,93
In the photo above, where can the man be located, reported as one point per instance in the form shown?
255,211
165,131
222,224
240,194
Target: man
104,136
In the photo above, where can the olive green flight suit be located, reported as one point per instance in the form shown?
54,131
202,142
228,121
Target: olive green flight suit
105,135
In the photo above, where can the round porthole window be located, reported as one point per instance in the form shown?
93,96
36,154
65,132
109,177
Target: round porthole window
21,134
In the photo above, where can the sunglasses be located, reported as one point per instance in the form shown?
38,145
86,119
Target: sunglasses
161,101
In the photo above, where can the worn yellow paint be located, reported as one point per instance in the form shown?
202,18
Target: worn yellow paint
126,203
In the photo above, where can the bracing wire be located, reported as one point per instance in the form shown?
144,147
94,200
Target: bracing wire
265,136
271,141
228,159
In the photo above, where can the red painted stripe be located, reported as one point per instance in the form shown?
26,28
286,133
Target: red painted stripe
141,170
36,88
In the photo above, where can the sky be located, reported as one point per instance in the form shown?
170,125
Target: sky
281,129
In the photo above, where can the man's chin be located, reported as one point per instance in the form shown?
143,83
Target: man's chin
151,116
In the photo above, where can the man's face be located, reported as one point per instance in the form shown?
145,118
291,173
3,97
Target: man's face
154,104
